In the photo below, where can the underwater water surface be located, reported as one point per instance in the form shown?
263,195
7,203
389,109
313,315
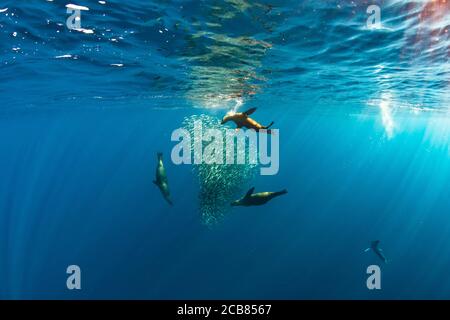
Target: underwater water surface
364,149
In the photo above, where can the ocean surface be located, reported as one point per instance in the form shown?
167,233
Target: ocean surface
364,147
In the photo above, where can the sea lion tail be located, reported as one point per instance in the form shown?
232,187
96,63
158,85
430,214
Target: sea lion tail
267,127
279,193
271,124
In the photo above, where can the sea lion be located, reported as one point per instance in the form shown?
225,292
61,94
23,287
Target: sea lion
242,119
161,179
257,199
374,246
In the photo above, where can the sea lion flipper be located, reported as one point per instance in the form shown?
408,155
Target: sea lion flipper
271,124
249,192
249,111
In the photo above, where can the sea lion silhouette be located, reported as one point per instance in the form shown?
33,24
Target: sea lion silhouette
161,179
374,246
257,199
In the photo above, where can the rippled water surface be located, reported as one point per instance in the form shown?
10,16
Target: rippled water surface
200,53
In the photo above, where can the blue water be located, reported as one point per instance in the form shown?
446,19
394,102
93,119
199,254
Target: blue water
364,128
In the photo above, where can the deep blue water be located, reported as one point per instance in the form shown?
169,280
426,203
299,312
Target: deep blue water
364,148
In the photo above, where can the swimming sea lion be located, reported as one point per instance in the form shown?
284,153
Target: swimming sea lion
242,119
257,199
161,179
374,246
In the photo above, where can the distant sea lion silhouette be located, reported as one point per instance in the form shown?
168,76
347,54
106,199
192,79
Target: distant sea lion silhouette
374,246
257,199
161,179
242,119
